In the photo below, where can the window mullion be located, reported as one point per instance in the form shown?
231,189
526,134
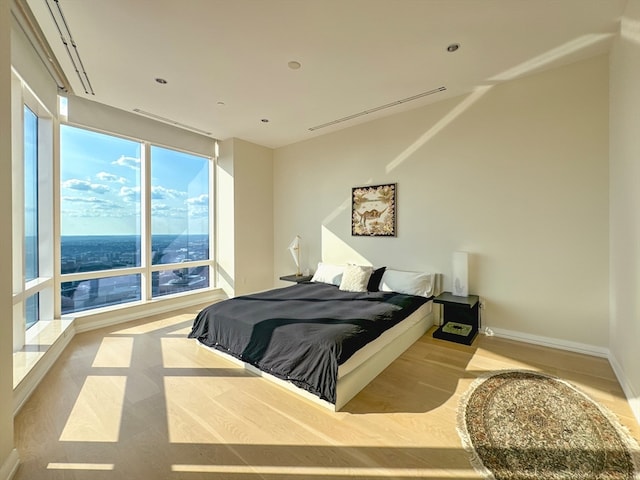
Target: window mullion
56,243
145,220
213,220
18,202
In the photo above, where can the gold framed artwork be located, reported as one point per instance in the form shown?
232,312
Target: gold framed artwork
373,211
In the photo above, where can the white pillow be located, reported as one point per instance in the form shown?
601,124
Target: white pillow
410,283
355,278
328,273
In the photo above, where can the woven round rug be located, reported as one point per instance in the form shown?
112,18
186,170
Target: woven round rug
520,424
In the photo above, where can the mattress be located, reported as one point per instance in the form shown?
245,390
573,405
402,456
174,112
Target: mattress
302,333
383,340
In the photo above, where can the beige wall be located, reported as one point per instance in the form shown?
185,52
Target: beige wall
516,174
225,218
253,165
625,204
8,456
244,179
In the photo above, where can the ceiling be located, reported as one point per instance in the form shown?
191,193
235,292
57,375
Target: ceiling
226,61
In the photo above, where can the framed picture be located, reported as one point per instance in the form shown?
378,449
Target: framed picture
373,211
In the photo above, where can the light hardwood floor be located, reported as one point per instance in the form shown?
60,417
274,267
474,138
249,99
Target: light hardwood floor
141,401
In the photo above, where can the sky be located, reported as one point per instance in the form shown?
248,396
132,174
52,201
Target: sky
101,186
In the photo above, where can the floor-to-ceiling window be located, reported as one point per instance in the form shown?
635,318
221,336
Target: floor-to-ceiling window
31,250
101,220
32,224
179,221
100,212
134,220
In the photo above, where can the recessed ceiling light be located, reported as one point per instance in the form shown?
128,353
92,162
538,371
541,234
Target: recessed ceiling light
453,47
293,65
265,120
161,81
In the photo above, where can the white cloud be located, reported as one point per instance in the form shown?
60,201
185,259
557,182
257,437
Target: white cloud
92,200
129,162
91,207
198,211
199,200
98,213
160,210
83,185
160,193
130,194
110,177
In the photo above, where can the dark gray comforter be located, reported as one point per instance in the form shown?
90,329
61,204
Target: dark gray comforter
303,332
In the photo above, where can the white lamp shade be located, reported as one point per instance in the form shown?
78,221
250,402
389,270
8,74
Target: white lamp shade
294,248
460,286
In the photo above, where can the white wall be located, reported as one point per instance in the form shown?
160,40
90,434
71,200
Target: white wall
8,455
516,174
625,203
253,165
244,179
225,218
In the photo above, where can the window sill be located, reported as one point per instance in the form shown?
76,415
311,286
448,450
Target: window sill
46,340
40,338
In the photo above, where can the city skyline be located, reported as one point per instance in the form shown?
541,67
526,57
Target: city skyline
98,253
166,248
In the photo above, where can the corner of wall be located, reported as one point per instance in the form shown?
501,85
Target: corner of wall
624,204
8,454
253,221
632,396
10,466
225,217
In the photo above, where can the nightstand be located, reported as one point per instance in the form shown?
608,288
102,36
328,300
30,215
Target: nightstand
296,278
460,318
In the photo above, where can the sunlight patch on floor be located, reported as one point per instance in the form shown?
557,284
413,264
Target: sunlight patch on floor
326,472
188,353
147,327
182,331
81,466
97,413
187,420
114,352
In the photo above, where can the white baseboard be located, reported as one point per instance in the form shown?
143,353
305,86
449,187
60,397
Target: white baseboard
10,466
632,397
550,342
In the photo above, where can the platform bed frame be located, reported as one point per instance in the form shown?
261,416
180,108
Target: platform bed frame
350,384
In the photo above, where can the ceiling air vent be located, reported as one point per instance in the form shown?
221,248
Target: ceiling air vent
69,44
377,109
170,122
27,22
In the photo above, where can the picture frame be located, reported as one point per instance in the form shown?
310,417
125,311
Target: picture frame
373,210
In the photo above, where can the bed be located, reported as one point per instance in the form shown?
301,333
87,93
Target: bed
325,339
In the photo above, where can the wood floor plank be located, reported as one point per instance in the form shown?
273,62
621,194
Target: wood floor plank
141,400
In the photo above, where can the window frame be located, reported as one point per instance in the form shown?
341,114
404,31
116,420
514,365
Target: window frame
146,268
43,285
